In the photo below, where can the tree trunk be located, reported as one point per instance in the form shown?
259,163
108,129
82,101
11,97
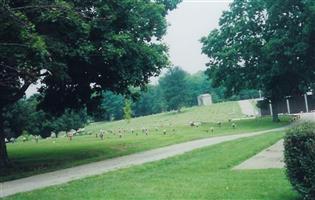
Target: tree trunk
275,117
4,159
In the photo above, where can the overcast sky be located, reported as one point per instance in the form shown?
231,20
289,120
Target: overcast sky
192,20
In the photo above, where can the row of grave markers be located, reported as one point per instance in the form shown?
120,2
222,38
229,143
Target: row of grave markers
120,132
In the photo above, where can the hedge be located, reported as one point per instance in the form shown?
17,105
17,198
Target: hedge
299,154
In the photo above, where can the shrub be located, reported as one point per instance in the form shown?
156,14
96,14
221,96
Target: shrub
299,156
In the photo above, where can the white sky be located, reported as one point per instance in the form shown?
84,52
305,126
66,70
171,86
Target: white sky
192,20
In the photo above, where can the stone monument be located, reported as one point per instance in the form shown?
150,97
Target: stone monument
204,100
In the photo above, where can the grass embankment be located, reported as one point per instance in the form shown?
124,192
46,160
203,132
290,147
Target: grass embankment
52,154
213,113
201,174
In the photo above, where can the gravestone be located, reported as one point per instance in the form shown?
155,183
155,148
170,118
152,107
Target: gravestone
204,100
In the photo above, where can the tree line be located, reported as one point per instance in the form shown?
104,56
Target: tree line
174,90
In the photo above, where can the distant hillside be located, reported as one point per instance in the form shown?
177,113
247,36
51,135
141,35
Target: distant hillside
213,113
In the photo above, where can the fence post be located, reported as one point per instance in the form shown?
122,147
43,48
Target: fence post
306,103
270,107
288,106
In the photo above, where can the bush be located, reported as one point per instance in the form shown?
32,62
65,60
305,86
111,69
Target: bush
299,156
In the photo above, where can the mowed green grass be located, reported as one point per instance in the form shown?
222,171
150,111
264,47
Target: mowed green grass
201,174
51,154
213,113
30,158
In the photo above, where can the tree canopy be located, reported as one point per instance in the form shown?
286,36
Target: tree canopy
266,45
76,49
174,88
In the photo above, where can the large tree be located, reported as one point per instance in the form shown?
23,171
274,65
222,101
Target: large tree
76,49
264,44
24,117
174,88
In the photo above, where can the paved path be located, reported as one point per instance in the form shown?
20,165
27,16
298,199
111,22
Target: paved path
247,107
96,168
270,158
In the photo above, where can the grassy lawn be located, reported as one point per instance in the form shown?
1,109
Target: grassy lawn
214,113
51,154
201,174
30,158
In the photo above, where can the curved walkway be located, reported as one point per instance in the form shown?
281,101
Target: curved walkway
96,168
270,158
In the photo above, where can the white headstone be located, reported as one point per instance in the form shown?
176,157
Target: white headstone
204,100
